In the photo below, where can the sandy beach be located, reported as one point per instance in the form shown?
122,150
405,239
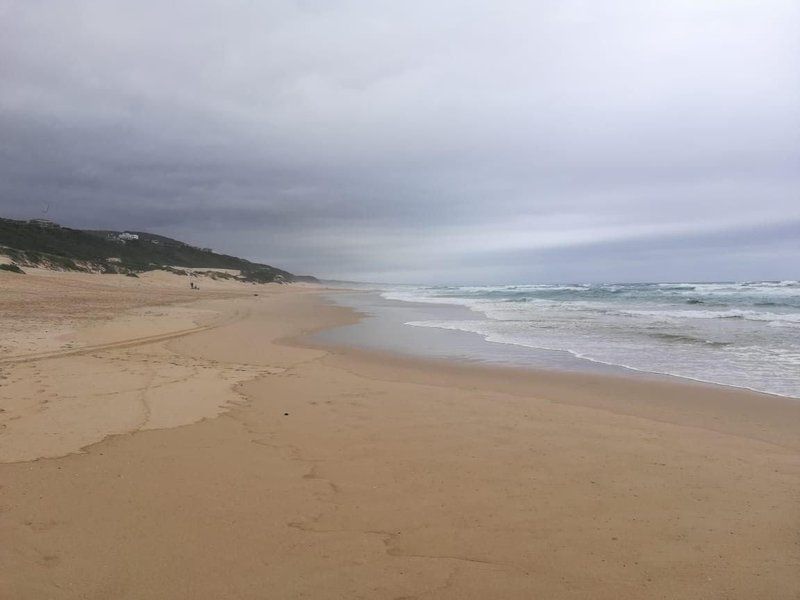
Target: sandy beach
159,442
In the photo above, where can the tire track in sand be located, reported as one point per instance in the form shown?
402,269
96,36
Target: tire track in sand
127,343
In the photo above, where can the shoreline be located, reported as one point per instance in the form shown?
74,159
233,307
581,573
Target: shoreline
557,386
346,473
464,327
615,372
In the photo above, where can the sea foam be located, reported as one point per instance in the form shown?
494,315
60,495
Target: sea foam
740,334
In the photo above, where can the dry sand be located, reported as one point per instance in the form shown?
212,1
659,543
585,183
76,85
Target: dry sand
161,443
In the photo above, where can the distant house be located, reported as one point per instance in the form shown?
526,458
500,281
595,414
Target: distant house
125,237
46,223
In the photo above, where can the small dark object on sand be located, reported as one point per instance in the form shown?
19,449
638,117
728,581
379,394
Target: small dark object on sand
285,414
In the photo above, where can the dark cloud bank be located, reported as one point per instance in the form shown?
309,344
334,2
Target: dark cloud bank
417,141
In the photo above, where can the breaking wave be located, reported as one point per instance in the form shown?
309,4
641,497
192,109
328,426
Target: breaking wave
740,334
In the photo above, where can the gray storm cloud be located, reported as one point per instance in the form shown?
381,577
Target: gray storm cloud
417,141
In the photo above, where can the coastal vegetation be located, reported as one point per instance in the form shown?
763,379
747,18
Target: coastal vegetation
41,243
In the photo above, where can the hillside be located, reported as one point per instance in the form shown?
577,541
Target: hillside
43,243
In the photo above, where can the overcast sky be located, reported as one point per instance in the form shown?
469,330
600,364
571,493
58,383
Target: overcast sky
436,141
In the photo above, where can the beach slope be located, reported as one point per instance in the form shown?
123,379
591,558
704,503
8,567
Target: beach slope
187,446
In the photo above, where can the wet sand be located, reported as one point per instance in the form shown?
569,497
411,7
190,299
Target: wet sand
198,446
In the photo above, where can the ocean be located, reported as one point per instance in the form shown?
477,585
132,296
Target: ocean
738,334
